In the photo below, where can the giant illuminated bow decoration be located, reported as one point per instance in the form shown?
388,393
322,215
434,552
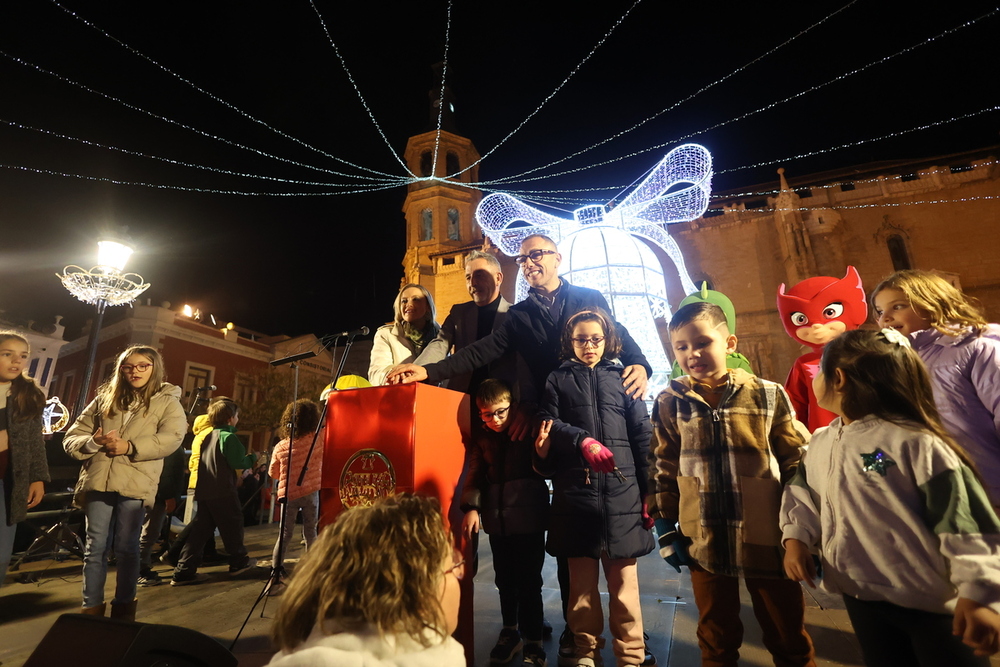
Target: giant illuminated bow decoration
677,189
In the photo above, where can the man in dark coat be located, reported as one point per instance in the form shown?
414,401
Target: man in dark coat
532,329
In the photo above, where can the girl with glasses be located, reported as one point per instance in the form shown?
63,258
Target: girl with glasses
380,586
122,438
593,442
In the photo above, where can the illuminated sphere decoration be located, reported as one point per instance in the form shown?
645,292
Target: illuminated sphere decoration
608,249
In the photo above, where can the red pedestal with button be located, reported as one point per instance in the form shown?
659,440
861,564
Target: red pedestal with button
394,439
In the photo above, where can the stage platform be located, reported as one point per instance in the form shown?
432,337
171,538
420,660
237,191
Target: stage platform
219,606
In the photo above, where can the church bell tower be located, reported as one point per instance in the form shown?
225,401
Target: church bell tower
440,212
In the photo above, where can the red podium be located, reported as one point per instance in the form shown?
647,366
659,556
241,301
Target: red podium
393,439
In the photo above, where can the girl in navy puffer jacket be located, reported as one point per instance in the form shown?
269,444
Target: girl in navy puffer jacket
593,442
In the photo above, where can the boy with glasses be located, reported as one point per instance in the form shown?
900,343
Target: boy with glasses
510,501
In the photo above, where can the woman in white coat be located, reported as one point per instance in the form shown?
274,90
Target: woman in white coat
402,340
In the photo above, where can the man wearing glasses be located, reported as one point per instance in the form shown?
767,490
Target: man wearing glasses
532,329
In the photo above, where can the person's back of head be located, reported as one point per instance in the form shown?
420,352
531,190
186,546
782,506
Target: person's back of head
222,411
379,566
883,376
305,414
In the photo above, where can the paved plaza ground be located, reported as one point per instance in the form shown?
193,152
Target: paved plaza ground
219,606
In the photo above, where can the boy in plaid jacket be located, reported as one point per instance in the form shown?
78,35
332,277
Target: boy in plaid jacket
724,442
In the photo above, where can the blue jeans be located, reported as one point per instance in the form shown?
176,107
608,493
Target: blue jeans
111,518
6,534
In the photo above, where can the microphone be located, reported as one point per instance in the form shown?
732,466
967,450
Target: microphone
210,387
363,331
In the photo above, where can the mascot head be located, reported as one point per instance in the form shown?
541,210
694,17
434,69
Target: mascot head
817,310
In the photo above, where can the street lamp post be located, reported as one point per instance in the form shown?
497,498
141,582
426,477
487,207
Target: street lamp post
104,285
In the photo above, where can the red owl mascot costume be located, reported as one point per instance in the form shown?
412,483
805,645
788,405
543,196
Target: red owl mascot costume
814,312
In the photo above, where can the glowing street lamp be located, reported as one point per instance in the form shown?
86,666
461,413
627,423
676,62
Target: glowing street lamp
103,285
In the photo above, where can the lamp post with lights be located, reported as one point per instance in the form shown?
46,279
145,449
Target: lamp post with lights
104,285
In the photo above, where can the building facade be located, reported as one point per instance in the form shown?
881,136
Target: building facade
939,214
198,356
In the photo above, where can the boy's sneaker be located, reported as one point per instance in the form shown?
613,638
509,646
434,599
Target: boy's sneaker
534,655
567,648
237,570
197,578
149,578
507,645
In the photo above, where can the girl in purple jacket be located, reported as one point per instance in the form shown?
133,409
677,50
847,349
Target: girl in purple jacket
962,354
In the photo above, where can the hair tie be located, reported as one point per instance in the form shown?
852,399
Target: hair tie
893,336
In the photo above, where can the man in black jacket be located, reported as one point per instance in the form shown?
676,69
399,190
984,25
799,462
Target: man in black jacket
533,329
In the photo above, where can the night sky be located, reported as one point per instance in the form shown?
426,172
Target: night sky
322,262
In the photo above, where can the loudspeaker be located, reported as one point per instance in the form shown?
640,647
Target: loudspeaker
93,641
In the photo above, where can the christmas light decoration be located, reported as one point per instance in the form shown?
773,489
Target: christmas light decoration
866,181
394,181
767,107
606,249
218,99
861,142
181,188
170,121
675,104
441,100
554,92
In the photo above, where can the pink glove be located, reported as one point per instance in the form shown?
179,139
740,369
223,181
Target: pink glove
597,455
647,521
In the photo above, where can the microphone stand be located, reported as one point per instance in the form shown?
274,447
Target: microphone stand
276,565
322,416
195,400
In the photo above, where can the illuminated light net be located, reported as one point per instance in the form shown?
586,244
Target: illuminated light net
606,249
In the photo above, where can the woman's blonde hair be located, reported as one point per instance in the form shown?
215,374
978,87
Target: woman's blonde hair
933,296
404,326
117,394
375,566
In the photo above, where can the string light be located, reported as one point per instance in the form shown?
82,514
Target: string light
178,123
441,98
602,245
350,77
210,95
553,93
180,163
682,101
848,207
159,186
827,186
751,113
861,142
